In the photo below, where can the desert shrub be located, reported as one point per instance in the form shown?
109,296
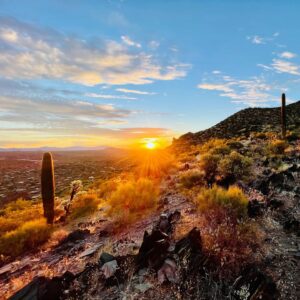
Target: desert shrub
84,203
106,188
191,178
229,237
16,213
234,166
26,237
233,200
133,199
209,164
215,146
229,167
277,147
260,135
232,245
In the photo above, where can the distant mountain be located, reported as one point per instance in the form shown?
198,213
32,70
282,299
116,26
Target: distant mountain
45,149
243,123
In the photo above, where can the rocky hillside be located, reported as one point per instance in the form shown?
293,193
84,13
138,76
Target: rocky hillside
244,122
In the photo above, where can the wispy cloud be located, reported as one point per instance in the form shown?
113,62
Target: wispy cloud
287,55
104,96
40,53
134,92
128,41
252,92
282,66
258,39
215,87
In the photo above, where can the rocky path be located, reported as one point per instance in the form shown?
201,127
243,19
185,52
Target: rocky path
83,246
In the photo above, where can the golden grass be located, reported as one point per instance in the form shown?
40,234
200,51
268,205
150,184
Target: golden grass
26,237
84,204
133,199
232,200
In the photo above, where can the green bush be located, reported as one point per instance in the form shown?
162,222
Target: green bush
213,199
133,199
191,178
235,166
84,204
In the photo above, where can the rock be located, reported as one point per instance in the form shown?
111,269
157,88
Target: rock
143,287
255,208
76,236
192,243
275,203
168,272
90,250
154,249
42,288
105,257
109,268
254,285
292,225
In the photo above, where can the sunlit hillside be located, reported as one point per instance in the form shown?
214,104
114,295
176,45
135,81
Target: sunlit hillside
149,150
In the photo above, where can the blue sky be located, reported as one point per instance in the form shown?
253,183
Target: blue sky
115,72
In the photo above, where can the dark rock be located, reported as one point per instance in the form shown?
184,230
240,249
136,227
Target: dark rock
103,233
255,208
42,288
192,243
292,225
76,236
254,285
275,203
154,249
105,257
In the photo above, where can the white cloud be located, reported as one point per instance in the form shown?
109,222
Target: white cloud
287,55
256,39
39,53
214,87
134,92
252,92
216,72
126,39
103,96
282,66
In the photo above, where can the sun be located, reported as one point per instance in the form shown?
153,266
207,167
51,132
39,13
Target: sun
150,145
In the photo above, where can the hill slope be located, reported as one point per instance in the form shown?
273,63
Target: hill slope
244,122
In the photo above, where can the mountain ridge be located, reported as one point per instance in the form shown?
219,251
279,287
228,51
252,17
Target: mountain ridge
243,122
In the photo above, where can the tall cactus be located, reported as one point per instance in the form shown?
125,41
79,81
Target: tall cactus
283,117
48,187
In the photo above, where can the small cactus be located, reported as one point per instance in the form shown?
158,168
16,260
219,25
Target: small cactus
48,187
283,117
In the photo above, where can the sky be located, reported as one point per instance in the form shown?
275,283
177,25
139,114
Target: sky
116,73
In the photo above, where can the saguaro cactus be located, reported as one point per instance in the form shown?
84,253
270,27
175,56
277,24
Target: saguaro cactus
48,187
283,117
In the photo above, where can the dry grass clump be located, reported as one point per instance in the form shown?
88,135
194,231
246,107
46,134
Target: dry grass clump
26,237
277,147
16,213
84,203
191,178
213,199
133,199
